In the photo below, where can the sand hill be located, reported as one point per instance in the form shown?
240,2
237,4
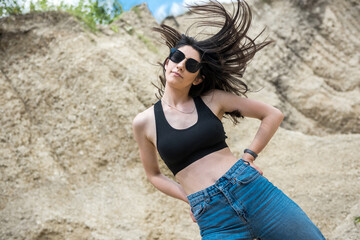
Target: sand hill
69,166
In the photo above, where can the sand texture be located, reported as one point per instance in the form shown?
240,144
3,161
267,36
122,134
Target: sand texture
70,168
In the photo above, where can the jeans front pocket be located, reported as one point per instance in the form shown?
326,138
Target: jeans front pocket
198,209
247,175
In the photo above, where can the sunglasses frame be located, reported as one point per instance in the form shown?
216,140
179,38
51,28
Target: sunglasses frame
187,66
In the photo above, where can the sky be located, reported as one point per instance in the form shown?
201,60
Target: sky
159,8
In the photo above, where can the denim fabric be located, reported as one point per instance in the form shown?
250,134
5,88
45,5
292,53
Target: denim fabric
242,204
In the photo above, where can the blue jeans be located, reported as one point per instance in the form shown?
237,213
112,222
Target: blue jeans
242,204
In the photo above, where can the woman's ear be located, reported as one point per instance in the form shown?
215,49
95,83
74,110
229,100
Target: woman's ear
198,79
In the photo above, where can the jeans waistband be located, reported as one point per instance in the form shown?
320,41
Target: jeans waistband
214,189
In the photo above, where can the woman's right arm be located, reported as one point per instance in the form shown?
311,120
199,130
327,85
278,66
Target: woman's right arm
149,160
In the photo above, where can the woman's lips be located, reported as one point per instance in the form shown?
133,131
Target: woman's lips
177,74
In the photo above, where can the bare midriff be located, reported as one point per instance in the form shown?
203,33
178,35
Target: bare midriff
206,171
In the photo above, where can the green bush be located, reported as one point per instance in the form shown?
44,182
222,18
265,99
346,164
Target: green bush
357,220
10,7
91,12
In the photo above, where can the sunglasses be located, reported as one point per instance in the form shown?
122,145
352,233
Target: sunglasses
191,64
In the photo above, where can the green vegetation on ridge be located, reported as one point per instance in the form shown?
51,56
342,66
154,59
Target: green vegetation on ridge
90,12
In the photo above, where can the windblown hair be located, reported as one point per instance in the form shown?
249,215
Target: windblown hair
224,55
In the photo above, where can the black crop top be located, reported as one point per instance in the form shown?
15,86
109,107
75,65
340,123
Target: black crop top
181,147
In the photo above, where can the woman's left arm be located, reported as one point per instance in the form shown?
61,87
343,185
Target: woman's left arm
270,117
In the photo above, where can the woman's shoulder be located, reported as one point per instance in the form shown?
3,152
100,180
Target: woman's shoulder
215,95
221,101
214,101
143,118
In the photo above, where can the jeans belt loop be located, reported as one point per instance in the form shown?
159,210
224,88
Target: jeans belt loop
207,196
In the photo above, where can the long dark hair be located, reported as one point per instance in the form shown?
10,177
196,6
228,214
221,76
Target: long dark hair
224,55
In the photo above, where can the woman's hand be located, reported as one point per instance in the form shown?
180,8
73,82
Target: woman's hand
248,158
256,167
192,216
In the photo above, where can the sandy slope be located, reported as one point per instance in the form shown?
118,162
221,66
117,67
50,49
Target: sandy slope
69,166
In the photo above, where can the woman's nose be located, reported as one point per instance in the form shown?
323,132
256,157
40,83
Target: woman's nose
181,64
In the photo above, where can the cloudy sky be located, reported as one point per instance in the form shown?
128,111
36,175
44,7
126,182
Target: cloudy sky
159,8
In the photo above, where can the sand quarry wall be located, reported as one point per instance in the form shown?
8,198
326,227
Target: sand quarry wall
69,166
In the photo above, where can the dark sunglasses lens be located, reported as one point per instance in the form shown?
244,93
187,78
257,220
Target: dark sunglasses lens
177,56
192,65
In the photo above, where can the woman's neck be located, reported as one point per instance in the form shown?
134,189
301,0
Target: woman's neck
176,97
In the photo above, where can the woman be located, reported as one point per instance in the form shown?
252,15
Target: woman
229,198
